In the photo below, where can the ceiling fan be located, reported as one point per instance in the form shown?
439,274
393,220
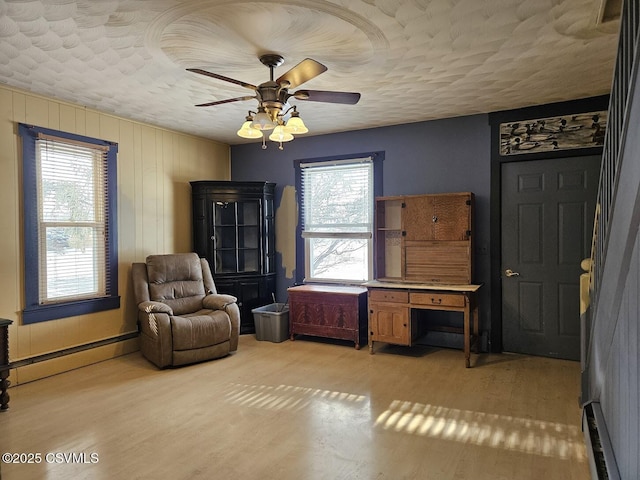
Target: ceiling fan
273,97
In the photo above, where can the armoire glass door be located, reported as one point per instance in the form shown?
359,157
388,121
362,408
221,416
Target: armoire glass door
236,236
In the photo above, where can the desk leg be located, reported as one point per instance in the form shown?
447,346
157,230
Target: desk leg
467,337
476,328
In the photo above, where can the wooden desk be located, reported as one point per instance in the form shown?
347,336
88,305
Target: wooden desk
4,363
390,306
328,311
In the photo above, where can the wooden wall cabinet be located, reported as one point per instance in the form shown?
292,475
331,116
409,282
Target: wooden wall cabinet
423,261
233,228
425,238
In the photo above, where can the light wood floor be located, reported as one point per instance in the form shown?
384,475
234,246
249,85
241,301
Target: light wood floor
304,410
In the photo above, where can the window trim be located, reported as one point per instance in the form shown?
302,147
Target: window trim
301,250
33,311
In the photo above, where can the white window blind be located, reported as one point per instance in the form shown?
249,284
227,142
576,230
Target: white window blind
337,213
72,219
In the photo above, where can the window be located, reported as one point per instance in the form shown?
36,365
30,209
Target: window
69,224
337,198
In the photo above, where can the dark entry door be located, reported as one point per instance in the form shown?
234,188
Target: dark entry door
547,222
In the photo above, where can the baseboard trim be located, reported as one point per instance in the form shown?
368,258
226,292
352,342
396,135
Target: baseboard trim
52,363
602,461
70,350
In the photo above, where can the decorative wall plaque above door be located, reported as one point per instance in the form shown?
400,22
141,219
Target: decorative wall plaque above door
565,132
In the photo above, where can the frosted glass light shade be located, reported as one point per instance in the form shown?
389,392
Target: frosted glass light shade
295,125
247,132
262,120
279,134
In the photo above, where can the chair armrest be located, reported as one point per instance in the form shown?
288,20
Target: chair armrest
218,301
156,342
234,316
155,307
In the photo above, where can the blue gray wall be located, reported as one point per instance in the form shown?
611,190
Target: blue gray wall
450,155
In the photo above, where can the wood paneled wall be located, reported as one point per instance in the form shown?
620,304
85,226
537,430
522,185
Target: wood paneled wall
155,166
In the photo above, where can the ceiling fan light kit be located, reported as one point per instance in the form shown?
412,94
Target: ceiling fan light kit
273,96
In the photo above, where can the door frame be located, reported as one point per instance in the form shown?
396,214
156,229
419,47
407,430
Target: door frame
495,221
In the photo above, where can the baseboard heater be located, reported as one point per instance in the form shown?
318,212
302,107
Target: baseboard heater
602,462
70,350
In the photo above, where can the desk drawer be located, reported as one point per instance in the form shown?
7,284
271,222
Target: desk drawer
394,296
439,299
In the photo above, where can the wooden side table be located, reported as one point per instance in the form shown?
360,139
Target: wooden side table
4,363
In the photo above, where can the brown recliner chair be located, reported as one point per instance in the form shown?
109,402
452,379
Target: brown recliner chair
182,318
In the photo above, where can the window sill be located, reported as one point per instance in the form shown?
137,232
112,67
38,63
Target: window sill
42,313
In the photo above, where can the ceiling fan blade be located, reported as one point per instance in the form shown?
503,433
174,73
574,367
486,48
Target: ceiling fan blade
348,98
221,77
302,72
229,100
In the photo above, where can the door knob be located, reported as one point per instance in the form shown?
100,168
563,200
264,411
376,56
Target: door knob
510,273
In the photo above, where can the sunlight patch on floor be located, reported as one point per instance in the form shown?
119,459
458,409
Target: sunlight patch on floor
285,397
536,437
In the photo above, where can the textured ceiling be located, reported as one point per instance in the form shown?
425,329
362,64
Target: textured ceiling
412,60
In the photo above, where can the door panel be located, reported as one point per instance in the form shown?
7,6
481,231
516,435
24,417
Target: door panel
567,294
389,323
547,220
451,217
530,307
437,217
531,233
572,222
418,218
